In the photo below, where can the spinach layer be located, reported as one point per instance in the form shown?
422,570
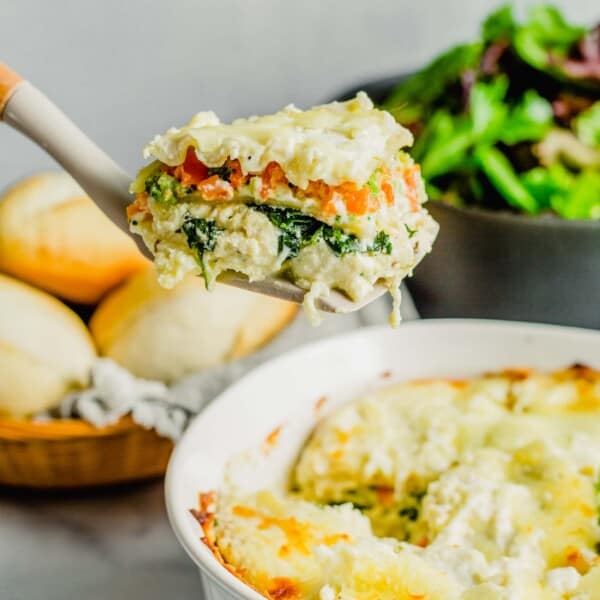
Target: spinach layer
298,230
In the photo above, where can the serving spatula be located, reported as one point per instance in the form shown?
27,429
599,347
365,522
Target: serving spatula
26,109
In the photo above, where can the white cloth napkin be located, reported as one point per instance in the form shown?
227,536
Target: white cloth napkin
115,392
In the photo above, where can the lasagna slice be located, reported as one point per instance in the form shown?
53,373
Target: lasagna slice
325,198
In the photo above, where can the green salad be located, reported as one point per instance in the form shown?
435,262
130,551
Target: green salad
511,121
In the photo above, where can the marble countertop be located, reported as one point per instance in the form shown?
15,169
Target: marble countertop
112,543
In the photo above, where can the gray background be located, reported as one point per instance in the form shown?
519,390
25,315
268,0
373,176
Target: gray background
125,70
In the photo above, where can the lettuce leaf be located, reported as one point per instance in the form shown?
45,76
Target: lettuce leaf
587,125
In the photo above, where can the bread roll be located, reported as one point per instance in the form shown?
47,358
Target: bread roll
164,334
54,237
45,349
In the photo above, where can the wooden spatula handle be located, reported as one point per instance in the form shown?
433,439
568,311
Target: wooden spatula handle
9,81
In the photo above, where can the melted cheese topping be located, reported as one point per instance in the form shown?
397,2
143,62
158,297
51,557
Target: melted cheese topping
336,143
468,490
285,546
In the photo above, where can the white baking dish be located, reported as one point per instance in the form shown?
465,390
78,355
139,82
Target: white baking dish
284,392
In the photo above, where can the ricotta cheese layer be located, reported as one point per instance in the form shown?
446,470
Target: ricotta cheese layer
326,198
483,489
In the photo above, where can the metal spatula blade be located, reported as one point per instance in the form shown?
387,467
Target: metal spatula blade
278,287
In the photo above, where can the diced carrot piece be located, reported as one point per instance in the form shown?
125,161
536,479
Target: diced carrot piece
385,495
236,175
317,189
358,201
386,187
273,176
192,171
329,208
372,203
323,192
139,205
411,180
215,188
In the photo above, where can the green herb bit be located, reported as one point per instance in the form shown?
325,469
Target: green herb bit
410,231
410,512
373,184
382,243
340,242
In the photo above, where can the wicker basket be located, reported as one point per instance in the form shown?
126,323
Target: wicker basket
70,453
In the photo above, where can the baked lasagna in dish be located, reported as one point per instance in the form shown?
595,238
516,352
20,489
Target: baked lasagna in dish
482,489
326,198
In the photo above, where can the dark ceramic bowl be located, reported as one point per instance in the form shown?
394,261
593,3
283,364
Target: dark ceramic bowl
501,265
